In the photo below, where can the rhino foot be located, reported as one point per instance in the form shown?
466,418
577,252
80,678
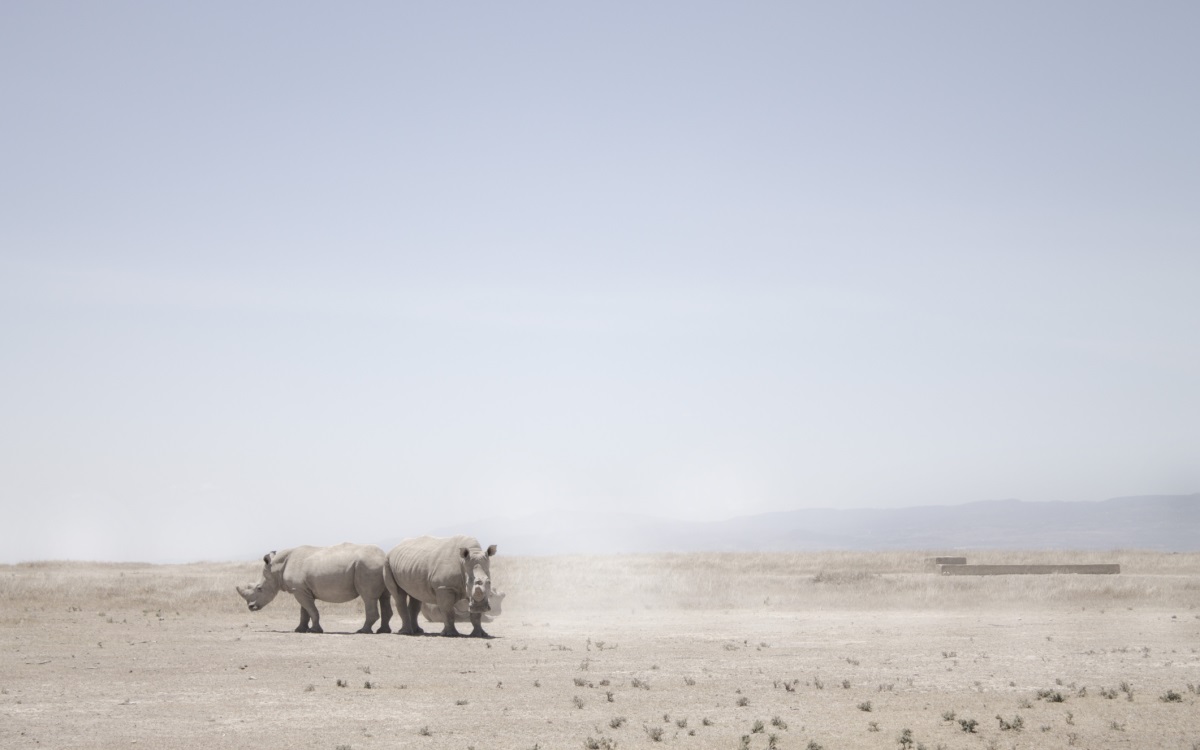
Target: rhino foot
316,629
479,633
383,629
301,629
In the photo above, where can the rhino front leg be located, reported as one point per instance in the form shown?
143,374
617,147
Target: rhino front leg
445,602
477,626
310,608
303,626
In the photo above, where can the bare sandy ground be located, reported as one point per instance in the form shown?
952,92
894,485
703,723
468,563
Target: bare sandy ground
99,665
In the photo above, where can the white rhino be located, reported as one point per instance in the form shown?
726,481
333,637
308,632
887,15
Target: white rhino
440,572
331,574
462,609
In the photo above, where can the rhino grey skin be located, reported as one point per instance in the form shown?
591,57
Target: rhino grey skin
462,609
440,571
331,574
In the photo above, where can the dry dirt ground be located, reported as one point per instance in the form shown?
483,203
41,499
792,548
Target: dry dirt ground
659,651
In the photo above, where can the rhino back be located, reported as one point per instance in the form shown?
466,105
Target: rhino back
337,573
424,564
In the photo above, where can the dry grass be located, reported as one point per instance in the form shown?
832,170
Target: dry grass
700,581
599,651
839,580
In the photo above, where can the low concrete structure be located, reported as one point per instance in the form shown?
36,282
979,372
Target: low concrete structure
1004,570
946,560
932,563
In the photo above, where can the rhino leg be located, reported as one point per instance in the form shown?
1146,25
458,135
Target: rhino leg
385,610
408,612
477,626
303,626
414,609
309,606
445,602
371,606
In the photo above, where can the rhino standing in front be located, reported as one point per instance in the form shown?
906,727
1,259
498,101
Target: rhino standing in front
440,571
331,574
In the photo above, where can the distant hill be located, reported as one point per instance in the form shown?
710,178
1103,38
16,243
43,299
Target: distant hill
1163,523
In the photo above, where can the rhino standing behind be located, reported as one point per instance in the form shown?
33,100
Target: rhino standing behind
440,571
462,611
331,574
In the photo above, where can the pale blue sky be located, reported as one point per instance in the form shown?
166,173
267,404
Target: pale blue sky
284,273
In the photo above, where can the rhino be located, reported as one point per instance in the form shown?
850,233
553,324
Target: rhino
331,574
440,571
462,609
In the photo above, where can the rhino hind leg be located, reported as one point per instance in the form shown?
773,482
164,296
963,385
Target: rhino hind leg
385,613
371,608
408,607
414,609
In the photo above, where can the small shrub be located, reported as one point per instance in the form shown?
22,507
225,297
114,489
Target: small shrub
904,739
1171,697
654,733
706,721
758,727
616,722
424,731
872,726
577,701
460,702
743,701
342,683
947,716
968,725
865,706
1017,724
778,723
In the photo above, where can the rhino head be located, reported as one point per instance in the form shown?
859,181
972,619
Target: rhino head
477,570
259,595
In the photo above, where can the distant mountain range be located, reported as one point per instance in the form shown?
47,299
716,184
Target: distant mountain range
1159,522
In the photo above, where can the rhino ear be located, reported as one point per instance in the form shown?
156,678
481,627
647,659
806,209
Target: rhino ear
267,557
464,552
491,550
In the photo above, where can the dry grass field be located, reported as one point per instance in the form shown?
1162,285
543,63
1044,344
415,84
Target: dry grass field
821,650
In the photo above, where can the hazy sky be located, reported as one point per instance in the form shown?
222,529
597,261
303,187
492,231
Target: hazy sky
285,273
